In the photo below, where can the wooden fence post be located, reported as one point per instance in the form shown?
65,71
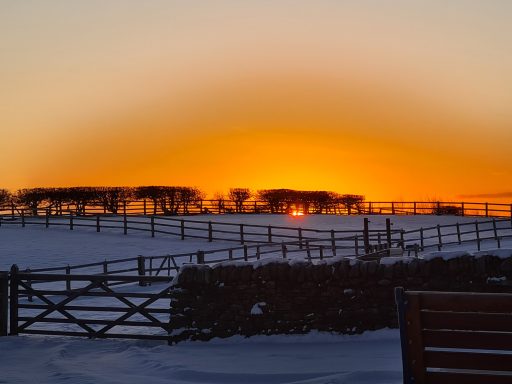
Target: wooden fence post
98,227
71,225
370,208
246,253
152,226
230,254
462,209
4,302
333,242
13,310
477,235
495,229
210,231
47,218
200,257
269,231
68,281
414,208
486,209
366,235
182,227
23,218
439,237
299,230
322,252
392,208
241,233
258,252
356,245
145,207
402,240
105,267
388,232
125,220
458,233
141,269
308,250
283,250
13,208
422,239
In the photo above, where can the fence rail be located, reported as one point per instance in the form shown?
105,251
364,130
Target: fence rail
148,207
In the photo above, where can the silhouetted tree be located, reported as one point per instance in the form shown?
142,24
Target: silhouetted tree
351,202
188,196
80,197
112,197
220,201
5,196
31,198
153,193
275,198
55,198
239,195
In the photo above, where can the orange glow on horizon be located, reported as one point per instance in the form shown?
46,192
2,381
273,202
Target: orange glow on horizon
393,102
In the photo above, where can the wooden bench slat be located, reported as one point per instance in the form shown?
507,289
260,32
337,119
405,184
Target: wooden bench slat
466,378
473,321
465,301
467,340
468,360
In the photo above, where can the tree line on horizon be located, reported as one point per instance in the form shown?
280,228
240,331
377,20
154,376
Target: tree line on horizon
172,200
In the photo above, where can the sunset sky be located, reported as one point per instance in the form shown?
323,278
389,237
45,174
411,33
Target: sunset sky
390,99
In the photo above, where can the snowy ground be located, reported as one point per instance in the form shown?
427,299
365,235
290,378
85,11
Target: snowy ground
36,247
373,357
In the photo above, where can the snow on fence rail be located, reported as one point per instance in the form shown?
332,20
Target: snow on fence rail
148,207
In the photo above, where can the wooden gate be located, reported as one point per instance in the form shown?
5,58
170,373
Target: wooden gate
93,308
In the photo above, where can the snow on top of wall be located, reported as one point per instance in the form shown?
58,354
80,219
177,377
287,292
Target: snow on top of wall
502,253
446,255
396,259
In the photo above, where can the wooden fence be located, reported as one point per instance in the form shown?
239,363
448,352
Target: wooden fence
207,230
148,207
92,308
492,232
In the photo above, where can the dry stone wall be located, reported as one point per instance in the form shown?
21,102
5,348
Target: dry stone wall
279,297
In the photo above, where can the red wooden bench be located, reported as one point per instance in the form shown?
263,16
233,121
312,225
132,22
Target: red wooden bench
455,338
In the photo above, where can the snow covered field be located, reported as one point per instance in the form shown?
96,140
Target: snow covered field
373,357
36,246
